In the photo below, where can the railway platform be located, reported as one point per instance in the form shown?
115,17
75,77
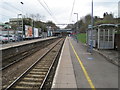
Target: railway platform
15,44
65,77
78,69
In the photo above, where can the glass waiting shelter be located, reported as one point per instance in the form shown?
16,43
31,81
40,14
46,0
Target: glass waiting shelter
105,37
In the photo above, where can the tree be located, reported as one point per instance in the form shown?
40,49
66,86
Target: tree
69,26
52,25
107,19
40,24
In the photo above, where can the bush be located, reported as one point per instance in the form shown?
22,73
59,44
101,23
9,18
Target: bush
82,37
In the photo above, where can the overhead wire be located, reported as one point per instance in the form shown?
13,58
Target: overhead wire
12,6
46,9
50,10
9,10
23,11
69,21
72,11
4,15
45,6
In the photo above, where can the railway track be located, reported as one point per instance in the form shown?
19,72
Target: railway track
14,59
39,74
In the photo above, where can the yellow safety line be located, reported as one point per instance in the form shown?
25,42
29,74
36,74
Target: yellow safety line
83,68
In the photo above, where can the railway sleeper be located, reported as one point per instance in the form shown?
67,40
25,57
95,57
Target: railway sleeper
47,59
41,64
32,79
27,83
41,67
37,73
24,85
35,76
44,70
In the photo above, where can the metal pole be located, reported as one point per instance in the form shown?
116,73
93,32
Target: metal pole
22,19
77,22
17,27
22,27
8,35
33,28
91,45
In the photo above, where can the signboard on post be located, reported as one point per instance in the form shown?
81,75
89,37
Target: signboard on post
36,34
28,31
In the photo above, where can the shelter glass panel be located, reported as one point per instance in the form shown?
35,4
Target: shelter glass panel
110,38
110,32
101,32
106,32
101,38
106,38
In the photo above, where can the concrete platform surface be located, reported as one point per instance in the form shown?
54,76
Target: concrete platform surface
111,55
79,69
64,77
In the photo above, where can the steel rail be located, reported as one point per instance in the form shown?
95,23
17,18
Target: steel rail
22,75
41,87
25,56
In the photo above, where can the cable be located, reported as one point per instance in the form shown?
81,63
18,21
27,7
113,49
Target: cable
49,10
15,7
8,10
12,6
46,9
72,10
4,15
47,6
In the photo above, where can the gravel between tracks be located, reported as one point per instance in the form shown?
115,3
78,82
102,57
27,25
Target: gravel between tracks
11,73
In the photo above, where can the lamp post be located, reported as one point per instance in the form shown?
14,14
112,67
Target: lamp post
18,23
22,19
77,22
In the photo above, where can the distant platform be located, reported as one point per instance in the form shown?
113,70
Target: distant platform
15,44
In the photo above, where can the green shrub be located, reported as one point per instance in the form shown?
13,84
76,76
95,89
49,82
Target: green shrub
82,37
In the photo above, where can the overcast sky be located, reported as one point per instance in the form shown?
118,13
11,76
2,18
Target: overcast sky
60,11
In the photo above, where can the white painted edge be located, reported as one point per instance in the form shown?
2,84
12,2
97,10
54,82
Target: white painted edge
57,69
